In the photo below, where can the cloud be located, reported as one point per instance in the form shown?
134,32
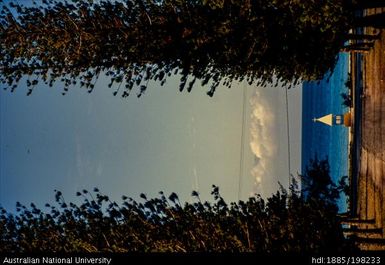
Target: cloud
262,139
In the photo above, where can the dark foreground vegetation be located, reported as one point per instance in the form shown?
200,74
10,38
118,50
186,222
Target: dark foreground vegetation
285,222
212,42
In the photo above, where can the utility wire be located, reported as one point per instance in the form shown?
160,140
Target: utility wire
288,136
241,161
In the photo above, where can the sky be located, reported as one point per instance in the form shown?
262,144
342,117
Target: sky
164,141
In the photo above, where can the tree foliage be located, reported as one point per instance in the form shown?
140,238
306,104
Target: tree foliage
285,222
134,41
317,183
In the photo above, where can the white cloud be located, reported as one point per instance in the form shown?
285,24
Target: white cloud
263,142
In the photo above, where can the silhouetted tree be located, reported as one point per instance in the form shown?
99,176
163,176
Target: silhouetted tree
346,100
134,41
317,184
137,41
285,222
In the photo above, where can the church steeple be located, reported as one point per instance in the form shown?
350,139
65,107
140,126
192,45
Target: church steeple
331,119
327,119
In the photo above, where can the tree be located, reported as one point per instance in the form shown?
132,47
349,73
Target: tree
317,184
137,41
285,222
134,41
346,100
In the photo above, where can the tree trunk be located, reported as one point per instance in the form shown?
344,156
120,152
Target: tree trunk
361,50
363,4
363,46
363,37
376,21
